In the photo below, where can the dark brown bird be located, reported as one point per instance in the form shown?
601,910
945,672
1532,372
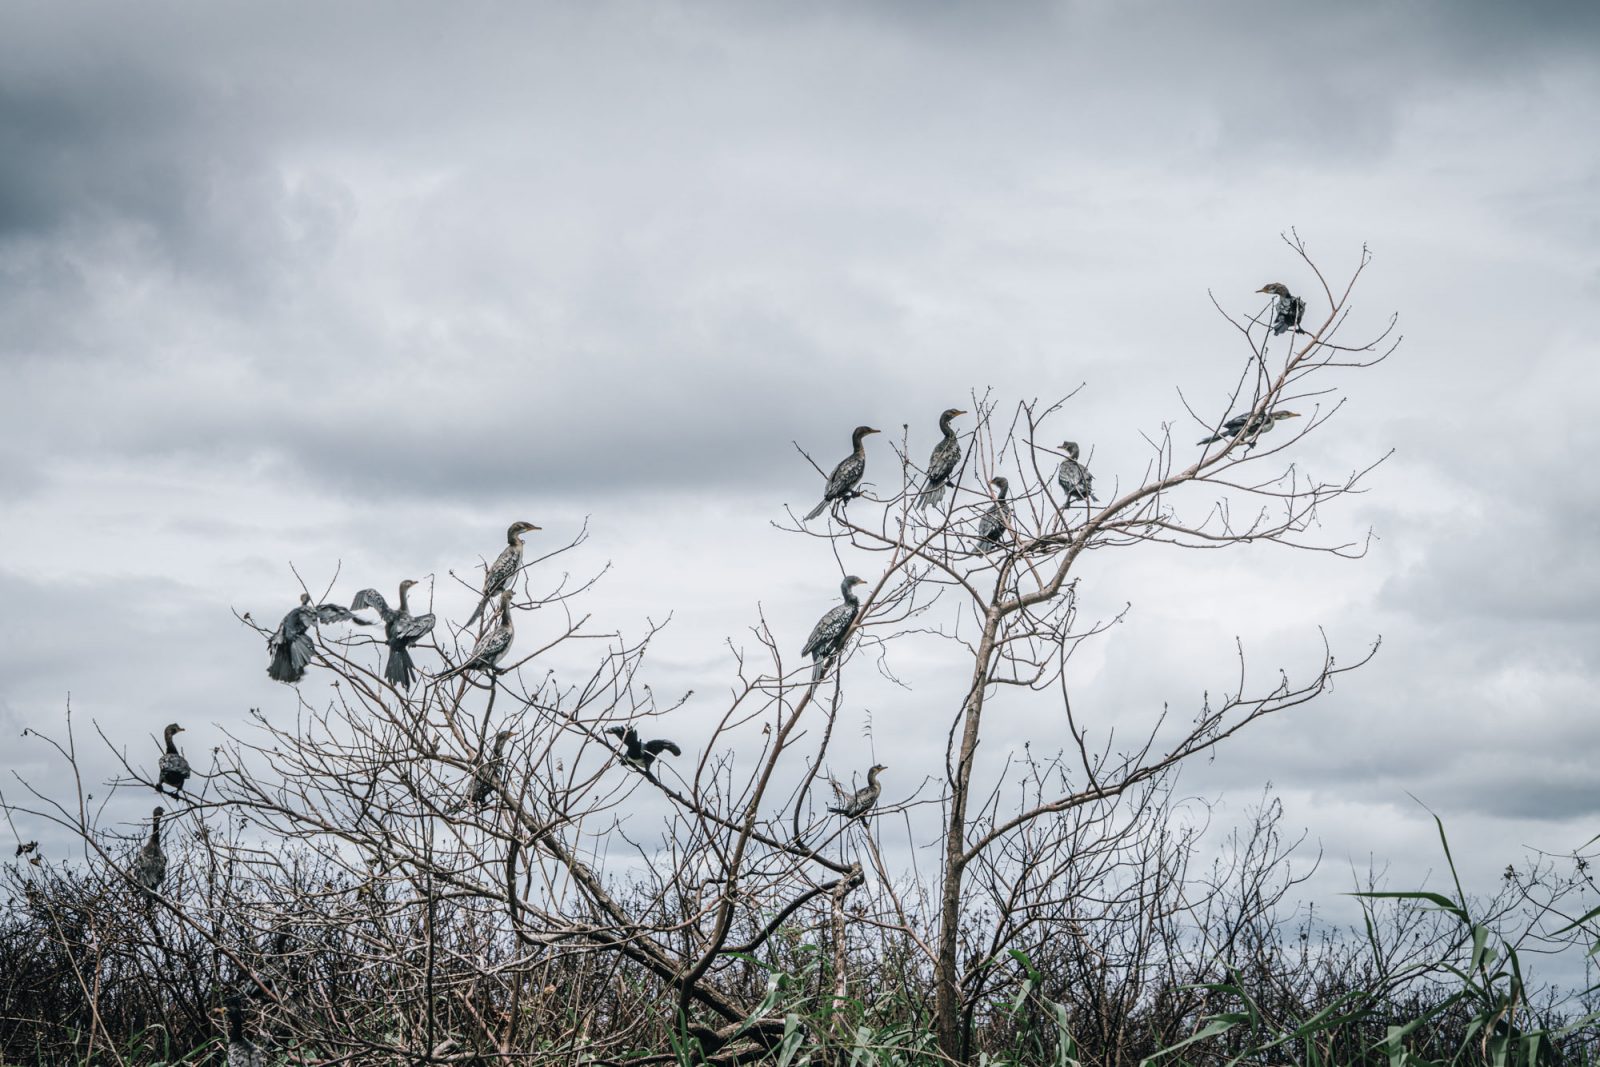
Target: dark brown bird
847,475
492,646
1253,426
641,754
150,863
174,768
505,567
488,776
854,805
27,847
1287,309
942,463
401,631
290,645
992,527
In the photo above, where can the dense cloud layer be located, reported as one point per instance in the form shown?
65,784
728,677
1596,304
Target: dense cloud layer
352,287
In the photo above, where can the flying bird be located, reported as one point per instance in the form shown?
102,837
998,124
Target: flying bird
992,527
1287,309
847,475
1073,477
290,644
505,567
828,635
174,768
401,631
1252,425
641,754
942,463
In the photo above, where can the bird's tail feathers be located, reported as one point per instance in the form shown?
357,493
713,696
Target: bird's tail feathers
930,497
818,510
477,612
399,670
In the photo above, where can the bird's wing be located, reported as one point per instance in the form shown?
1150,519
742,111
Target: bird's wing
946,454
337,613
501,570
414,627
825,627
846,475
655,748
371,598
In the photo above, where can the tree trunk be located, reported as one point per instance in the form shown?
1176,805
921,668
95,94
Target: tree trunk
947,978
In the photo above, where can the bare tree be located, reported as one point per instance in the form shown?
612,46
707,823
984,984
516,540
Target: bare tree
425,873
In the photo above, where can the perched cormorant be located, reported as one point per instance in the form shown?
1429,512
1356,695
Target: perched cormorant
488,775
150,863
242,1052
492,645
401,630
1287,309
942,463
854,805
1253,426
290,645
174,768
992,527
1073,477
847,475
505,567
641,754
827,636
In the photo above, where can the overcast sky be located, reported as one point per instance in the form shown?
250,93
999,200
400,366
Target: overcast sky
356,285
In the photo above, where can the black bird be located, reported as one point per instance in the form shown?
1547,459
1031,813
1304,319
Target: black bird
401,630
492,645
1287,309
150,863
854,805
242,1052
641,754
1073,477
827,636
505,567
488,776
942,463
992,527
26,847
1253,426
290,645
174,768
847,475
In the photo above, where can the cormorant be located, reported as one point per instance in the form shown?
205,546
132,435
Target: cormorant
290,645
27,847
827,636
942,463
1287,309
401,630
488,775
1073,477
854,805
492,645
174,768
992,527
242,1052
505,567
847,475
150,863
641,754
1253,426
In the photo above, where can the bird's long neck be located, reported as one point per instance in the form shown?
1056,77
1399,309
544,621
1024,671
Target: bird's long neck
155,830
171,745
944,425
404,589
850,596
872,777
1000,496
235,1023
514,538
857,442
